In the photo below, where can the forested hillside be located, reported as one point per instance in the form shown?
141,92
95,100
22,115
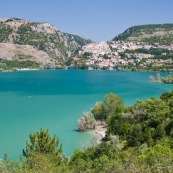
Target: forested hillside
161,34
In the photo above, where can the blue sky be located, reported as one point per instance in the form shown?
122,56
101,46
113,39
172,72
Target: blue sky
99,20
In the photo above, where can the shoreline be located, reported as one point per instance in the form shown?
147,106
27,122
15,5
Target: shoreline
30,69
100,131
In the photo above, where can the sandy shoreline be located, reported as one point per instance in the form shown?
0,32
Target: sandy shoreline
99,131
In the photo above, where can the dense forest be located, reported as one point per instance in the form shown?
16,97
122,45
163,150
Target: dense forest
138,139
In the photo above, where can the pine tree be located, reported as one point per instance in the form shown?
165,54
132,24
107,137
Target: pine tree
42,143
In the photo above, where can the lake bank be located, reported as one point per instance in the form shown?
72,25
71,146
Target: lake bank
99,132
123,70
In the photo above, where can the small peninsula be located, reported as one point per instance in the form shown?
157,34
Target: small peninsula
159,79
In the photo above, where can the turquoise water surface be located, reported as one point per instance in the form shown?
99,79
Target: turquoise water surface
55,99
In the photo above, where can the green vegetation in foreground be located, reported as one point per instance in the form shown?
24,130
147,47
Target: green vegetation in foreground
138,139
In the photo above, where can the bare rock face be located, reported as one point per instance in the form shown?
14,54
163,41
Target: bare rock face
44,28
10,52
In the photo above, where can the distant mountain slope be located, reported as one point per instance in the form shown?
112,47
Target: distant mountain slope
78,39
153,34
22,56
41,36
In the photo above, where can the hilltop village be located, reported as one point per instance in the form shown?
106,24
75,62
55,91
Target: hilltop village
122,55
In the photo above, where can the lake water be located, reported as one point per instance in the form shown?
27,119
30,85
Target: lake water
55,99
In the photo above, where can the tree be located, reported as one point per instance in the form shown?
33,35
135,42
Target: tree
160,132
135,137
113,104
86,121
38,162
98,111
149,136
151,78
114,126
160,154
170,103
8,166
158,77
166,96
41,142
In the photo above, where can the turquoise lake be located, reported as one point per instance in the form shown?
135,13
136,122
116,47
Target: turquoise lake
55,99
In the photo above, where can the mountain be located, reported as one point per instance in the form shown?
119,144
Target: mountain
78,39
161,34
41,36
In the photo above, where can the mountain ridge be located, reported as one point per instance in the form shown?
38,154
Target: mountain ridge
79,39
150,33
